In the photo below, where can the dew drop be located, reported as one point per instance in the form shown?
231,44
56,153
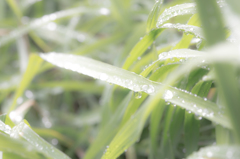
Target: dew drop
104,11
104,76
138,95
168,95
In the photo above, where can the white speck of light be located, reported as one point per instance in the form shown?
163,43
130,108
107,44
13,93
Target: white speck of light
52,26
29,94
104,11
103,76
15,117
19,100
168,95
209,154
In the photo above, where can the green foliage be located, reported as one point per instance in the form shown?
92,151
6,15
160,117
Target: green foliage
134,79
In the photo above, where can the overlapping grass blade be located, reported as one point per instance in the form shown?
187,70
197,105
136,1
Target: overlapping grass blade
18,147
156,117
33,66
102,71
141,47
35,142
190,29
110,128
219,152
224,72
191,124
182,9
186,38
137,83
152,18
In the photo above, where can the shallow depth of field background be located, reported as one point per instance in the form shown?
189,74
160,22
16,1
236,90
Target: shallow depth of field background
170,91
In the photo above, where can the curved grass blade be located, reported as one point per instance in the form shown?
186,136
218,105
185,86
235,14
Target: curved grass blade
138,83
102,71
110,128
186,38
141,47
182,9
24,131
224,71
18,147
189,29
181,53
152,18
219,152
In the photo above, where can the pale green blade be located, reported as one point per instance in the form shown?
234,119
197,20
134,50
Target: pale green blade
35,142
138,83
153,15
235,5
182,9
102,71
190,29
141,47
18,147
24,131
110,128
225,72
33,66
218,152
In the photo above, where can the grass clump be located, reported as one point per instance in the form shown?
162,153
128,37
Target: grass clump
134,79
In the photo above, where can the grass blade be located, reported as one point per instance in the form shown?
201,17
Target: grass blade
225,72
33,66
190,29
138,83
182,9
219,152
152,18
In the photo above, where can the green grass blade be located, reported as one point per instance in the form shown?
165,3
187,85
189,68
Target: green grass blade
234,4
191,124
211,20
225,73
182,9
156,117
153,16
186,38
33,66
24,131
141,47
190,29
138,83
219,152
110,128
18,147
102,71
